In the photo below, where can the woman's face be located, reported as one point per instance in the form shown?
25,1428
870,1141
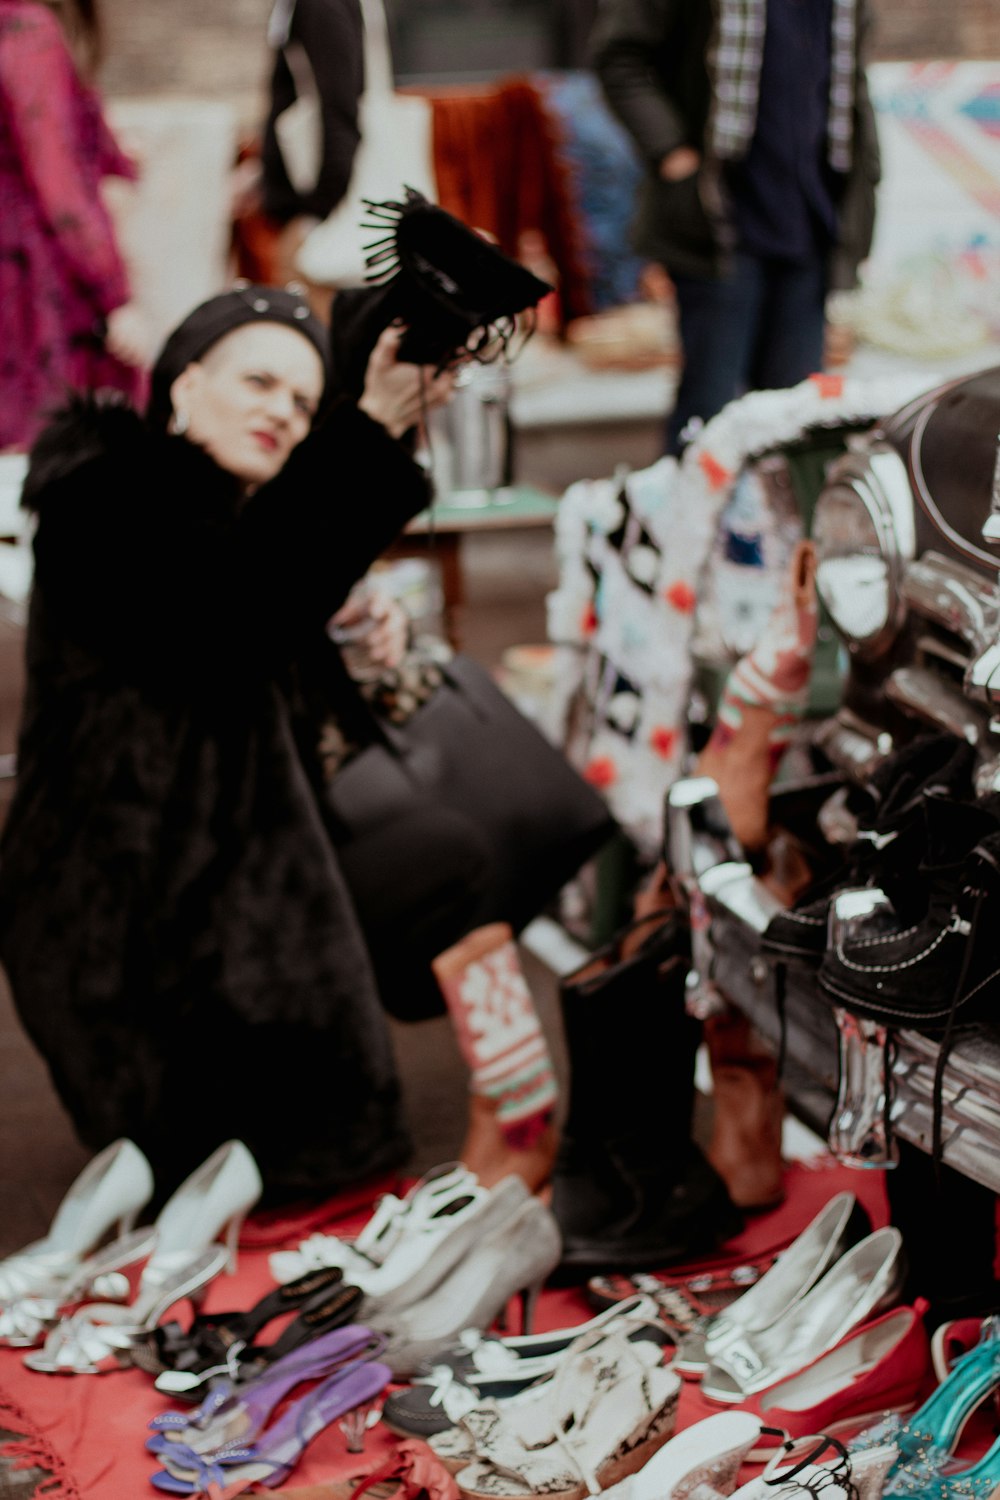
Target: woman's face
251,399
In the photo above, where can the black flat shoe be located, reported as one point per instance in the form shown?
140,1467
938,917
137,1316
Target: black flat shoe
243,1362
211,1336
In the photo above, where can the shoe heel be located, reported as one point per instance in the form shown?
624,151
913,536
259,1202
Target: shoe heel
528,1299
233,1230
126,1223
355,1424
196,1296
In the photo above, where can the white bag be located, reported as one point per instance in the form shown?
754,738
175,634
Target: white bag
395,151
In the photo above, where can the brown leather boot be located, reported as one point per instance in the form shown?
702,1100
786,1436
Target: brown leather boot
745,1148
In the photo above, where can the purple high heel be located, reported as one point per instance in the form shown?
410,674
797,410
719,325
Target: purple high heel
235,1468
237,1413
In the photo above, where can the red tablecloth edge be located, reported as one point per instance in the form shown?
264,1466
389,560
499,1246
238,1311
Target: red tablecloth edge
31,1451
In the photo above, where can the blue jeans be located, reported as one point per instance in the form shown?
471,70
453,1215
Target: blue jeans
759,328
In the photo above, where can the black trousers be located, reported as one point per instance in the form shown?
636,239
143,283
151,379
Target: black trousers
420,881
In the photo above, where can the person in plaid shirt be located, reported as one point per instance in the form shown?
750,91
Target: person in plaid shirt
754,121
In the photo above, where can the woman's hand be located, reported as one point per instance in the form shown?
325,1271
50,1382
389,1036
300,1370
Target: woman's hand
398,395
374,626
390,632
682,162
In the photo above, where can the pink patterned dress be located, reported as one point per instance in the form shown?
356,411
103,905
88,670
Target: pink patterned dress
60,271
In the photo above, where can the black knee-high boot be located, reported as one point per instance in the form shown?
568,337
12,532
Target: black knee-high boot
631,1189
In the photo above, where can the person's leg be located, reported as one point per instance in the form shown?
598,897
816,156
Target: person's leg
719,322
420,884
790,343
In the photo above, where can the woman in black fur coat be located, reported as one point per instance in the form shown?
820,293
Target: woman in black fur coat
178,935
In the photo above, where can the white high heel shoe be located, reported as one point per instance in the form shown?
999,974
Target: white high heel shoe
840,1224
604,1415
515,1257
111,1190
418,1264
866,1280
432,1201
27,1321
186,1258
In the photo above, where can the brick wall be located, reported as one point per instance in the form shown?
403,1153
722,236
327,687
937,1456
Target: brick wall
215,48
202,48
936,28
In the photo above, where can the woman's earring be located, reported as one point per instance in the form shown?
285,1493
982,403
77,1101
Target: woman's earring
179,423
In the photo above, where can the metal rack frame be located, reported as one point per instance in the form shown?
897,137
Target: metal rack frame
738,907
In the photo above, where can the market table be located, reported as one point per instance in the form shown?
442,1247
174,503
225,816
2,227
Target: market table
87,1431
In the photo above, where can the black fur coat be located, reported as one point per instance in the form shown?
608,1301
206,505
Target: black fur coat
179,939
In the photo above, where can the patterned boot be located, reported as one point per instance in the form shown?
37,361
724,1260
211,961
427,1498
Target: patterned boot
512,1084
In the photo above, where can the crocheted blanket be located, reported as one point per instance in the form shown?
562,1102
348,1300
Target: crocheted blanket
634,556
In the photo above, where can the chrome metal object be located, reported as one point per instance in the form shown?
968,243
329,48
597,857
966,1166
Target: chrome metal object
991,526
859,1134
865,534
698,838
971,1081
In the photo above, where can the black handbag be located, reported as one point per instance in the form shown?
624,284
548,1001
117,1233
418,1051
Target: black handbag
469,749
456,293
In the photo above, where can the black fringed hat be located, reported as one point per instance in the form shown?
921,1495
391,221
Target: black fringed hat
455,291
212,320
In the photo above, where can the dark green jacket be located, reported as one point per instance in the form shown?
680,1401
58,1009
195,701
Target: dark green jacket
650,56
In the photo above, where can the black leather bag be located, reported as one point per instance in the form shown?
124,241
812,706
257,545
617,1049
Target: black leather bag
469,749
455,292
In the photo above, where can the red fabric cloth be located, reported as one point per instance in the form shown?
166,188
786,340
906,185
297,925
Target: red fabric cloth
497,168
60,271
92,1427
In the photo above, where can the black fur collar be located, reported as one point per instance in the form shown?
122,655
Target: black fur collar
93,426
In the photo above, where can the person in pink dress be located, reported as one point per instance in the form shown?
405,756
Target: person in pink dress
66,322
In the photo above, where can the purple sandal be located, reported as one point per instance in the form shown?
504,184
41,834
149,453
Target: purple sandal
237,1413
270,1461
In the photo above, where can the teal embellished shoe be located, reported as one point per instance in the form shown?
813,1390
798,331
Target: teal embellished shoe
927,1441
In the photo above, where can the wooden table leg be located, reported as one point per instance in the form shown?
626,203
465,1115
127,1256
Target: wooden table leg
448,547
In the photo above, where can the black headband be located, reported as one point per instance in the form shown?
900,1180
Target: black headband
213,320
